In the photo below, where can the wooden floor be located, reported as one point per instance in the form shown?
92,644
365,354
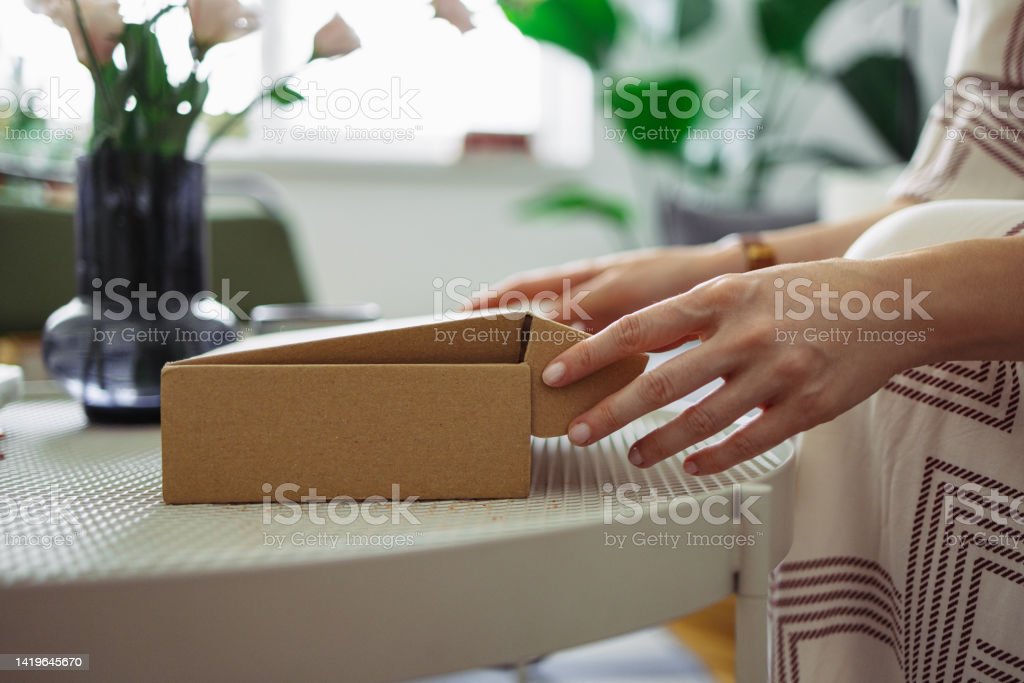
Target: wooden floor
710,635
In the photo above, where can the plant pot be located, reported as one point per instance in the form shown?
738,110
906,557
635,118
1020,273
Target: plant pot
682,224
141,281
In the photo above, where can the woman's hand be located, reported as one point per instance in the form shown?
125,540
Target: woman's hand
798,372
606,289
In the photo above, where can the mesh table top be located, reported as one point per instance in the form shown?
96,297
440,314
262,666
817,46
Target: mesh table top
83,503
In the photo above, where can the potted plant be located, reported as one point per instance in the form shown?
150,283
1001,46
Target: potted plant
142,262
710,173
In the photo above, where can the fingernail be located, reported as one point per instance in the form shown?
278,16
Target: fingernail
553,373
690,467
635,457
579,434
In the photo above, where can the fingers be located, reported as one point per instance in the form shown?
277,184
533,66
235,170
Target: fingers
676,378
700,421
523,288
768,430
654,327
590,305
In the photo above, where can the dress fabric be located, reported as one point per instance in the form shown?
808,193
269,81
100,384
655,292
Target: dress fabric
907,562
972,145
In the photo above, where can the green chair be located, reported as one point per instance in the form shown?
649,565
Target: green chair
249,244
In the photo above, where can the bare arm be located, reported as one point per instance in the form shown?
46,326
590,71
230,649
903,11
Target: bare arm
610,287
816,241
969,307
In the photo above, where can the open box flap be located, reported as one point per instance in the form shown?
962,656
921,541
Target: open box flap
471,340
553,409
502,338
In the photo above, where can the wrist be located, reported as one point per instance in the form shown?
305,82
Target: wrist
747,251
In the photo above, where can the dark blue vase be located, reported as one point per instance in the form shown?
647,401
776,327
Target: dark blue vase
142,297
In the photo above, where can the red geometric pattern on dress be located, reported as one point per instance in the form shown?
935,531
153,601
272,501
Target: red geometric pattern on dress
999,655
1013,56
932,566
942,383
910,385
978,374
933,174
873,599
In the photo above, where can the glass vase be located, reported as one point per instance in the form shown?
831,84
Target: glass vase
141,280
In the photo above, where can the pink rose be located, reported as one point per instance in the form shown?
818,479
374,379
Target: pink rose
455,13
220,21
335,39
102,20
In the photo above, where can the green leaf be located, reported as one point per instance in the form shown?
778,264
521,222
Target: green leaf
145,78
579,200
785,25
284,94
586,28
692,16
657,113
107,127
885,91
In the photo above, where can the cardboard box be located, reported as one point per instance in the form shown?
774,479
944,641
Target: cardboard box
443,410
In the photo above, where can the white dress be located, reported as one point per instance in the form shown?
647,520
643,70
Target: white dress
908,554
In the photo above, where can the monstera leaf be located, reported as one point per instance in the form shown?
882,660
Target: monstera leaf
656,114
785,25
586,28
692,16
579,200
885,91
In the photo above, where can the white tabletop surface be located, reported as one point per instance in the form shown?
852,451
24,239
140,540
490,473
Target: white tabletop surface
92,561
104,484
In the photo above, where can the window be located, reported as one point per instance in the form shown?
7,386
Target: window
416,87
412,93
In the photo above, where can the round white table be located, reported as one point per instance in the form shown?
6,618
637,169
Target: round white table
93,562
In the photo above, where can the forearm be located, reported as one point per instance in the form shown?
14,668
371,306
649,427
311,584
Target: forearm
817,241
976,301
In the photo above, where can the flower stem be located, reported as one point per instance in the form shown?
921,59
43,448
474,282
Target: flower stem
94,64
226,126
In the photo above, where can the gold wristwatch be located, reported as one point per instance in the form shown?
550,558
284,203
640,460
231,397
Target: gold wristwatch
757,253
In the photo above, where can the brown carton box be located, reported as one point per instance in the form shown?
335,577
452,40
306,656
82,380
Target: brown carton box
443,410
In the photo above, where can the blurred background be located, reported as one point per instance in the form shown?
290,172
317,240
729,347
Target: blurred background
470,140
474,151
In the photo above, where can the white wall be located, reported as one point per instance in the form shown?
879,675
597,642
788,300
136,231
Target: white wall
384,234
